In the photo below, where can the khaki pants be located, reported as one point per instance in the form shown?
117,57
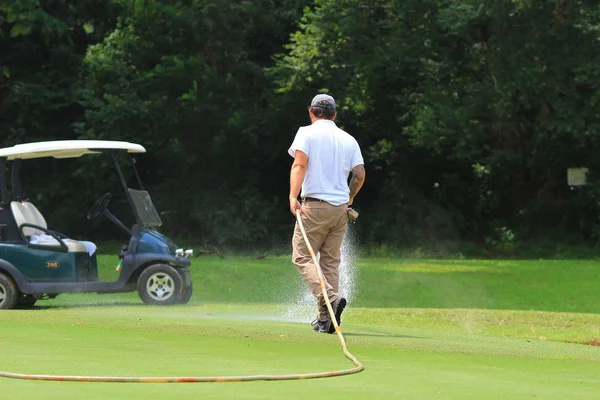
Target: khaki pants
325,226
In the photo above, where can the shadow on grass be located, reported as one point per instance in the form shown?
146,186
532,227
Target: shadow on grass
84,305
382,335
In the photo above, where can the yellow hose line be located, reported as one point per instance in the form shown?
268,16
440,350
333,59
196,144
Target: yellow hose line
197,379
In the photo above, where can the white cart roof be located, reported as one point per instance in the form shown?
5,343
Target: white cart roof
67,148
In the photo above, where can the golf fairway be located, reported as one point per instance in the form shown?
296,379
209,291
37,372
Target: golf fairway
124,339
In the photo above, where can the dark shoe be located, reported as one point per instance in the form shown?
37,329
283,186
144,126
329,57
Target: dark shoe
320,326
338,307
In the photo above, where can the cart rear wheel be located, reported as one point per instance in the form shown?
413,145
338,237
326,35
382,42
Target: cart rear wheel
8,293
160,284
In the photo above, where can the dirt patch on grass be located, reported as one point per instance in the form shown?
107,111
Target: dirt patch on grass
593,343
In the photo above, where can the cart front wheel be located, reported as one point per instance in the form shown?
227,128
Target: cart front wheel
187,294
160,284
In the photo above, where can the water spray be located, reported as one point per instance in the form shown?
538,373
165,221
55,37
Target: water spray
302,307
199,379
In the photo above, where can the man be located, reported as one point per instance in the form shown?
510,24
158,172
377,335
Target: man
324,155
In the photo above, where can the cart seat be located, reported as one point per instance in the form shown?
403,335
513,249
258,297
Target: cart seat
26,213
35,214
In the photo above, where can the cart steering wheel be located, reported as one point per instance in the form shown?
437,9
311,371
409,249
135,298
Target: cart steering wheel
99,206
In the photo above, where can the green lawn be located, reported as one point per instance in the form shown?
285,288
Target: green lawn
425,329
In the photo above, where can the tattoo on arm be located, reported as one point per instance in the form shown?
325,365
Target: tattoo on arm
357,180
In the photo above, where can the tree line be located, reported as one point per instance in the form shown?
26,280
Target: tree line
468,113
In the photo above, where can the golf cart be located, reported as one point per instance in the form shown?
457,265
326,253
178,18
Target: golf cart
39,263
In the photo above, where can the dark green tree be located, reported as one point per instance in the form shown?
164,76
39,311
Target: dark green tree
42,45
470,111
186,79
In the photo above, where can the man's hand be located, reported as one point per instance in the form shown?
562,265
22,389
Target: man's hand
295,205
352,215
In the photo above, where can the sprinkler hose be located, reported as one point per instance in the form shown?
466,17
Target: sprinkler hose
198,379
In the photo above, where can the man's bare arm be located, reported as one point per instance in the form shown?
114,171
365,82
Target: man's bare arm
356,182
296,178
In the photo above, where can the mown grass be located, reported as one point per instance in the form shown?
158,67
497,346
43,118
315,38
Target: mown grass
533,299
424,329
544,285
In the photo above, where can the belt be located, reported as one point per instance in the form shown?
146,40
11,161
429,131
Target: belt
312,199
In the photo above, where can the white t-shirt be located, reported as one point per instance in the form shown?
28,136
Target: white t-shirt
332,153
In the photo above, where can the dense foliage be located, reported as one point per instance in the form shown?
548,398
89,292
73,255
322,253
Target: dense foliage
468,112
